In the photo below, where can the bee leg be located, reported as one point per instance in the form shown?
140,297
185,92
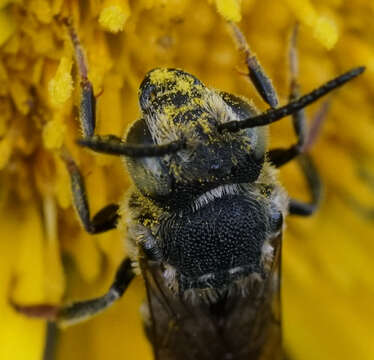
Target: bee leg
280,157
109,144
105,219
314,183
82,310
256,73
87,106
305,138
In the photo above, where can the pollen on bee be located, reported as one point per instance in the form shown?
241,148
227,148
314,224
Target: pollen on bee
183,85
160,76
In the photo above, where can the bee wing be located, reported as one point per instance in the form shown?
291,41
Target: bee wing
174,326
236,327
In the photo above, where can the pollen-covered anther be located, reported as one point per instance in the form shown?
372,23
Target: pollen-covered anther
326,32
113,18
229,9
60,87
53,134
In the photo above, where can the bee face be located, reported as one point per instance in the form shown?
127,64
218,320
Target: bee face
176,105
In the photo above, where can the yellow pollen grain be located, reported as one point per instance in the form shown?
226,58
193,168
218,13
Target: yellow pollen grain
325,31
60,87
229,9
7,26
113,18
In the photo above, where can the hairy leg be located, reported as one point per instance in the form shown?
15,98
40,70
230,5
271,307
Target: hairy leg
83,310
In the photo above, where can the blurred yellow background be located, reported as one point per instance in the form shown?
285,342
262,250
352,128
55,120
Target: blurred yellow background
328,278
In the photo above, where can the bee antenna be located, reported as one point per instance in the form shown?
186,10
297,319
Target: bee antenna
273,115
113,145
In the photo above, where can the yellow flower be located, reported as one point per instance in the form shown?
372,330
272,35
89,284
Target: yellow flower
328,273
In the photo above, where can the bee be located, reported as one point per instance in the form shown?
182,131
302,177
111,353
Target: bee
203,222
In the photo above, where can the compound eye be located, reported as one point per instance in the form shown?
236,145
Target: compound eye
139,134
149,173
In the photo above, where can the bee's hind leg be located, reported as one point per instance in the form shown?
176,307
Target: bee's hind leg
82,310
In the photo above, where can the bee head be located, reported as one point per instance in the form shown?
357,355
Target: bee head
175,106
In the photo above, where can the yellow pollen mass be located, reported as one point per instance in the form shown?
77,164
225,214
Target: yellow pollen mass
183,85
326,32
113,18
160,76
61,86
229,9
53,134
